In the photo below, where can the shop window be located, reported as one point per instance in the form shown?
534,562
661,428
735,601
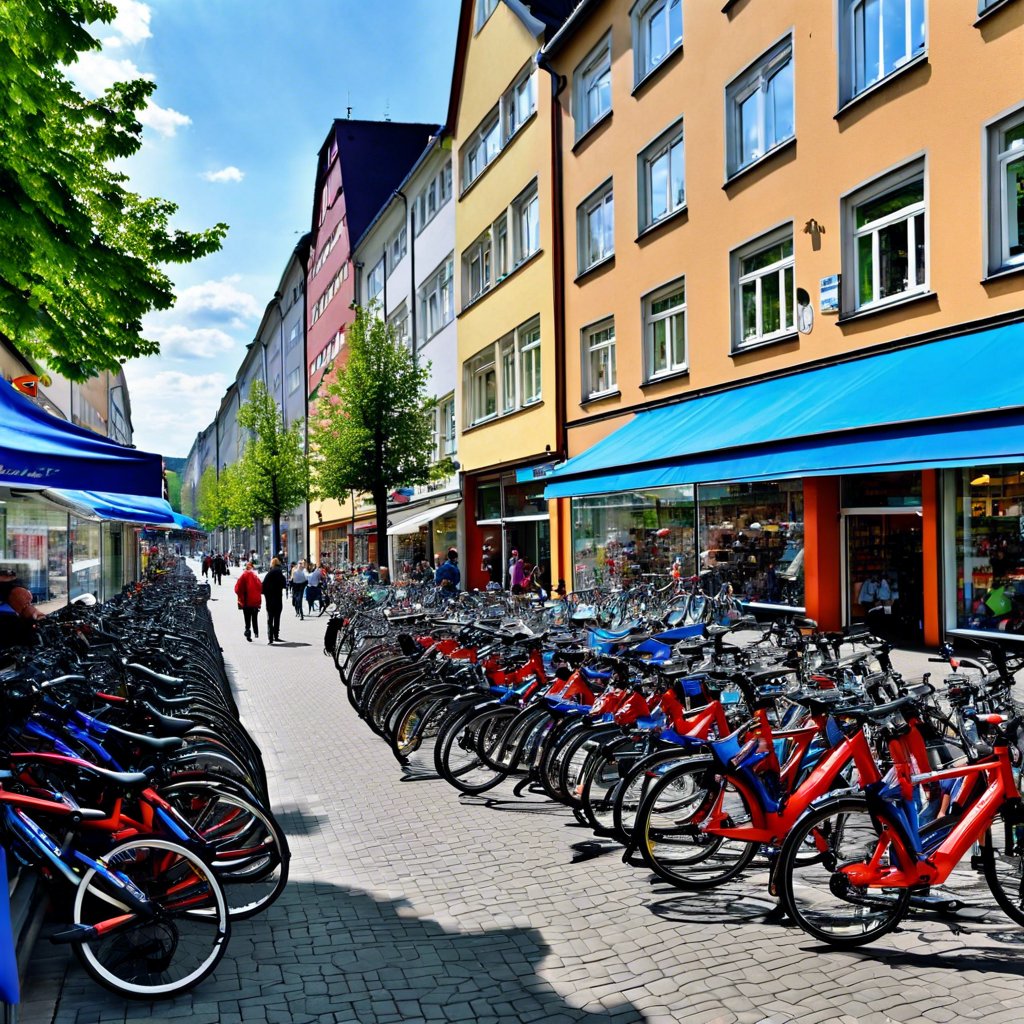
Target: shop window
592,87
759,108
595,228
665,330
1005,144
751,538
989,548
488,502
765,295
877,38
885,240
657,32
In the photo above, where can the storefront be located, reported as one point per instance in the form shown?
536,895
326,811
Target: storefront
422,532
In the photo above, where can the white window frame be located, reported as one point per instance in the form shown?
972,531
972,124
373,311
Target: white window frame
397,248
526,225
998,156
484,10
500,248
440,186
876,189
529,352
519,103
593,342
600,204
642,18
741,279
854,73
651,319
478,369
439,287
662,146
515,361
375,274
294,379
586,80
477,263
398,321
754,80
481,149
447,427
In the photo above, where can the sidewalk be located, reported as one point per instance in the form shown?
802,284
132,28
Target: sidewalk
408,904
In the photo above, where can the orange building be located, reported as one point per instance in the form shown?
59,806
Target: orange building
793,276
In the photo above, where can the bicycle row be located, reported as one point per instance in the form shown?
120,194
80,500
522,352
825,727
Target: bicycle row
706,749
128,782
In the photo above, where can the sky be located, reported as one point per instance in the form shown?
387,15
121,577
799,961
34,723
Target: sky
246,93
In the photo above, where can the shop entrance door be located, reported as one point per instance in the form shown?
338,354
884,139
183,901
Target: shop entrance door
883,573
532,539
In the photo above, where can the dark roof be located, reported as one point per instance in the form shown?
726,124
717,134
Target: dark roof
375,156
552,12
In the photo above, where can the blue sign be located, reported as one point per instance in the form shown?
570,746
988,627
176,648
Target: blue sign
829,301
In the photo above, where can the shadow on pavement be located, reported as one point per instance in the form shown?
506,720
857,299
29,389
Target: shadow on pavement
327,953
289,643
720,906
297,821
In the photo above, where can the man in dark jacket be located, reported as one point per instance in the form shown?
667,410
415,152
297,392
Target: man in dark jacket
274,584
447,575
220,567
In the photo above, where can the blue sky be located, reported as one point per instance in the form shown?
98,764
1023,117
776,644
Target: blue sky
246,91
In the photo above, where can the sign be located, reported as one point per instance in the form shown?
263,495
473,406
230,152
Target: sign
829,296
541,472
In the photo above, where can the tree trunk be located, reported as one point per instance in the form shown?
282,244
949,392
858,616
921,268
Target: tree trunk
380,504
275,537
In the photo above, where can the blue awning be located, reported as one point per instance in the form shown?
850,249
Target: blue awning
122,508
184,522
38,449
954,402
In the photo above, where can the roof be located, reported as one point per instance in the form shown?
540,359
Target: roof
569,26
374,157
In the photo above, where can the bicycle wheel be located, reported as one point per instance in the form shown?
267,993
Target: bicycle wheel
464,756
669,833
816,893
629,797
167,951
246,848
1002,856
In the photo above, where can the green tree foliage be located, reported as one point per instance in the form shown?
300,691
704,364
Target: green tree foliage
80,254
273,475
173,490
370,429
211,510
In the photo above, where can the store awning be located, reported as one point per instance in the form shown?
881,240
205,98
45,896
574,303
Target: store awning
122,508
410,524
184,522
38,449
955,402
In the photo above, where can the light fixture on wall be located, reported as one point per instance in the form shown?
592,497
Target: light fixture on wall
980,481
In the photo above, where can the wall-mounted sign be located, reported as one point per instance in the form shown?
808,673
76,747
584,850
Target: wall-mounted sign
829,300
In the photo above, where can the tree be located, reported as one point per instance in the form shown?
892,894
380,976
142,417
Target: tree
370,429
210,508
80,254
173,489
273,475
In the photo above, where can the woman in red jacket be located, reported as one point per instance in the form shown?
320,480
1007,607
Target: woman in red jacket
250,598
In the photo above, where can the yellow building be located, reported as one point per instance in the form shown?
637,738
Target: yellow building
755,189
500,118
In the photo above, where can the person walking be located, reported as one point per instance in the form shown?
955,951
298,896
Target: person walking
517,575
298,587
250,597
313,593
448,576
274,586
219,568
207,564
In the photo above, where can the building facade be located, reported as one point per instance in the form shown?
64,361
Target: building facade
776,268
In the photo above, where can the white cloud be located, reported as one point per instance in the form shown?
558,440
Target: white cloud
163,120
225,174
219,301
131,23
180,342
95,71
169,408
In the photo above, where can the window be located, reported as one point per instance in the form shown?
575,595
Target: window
1006,192
294,336
665,330
344,271
662,184
324,195
294,379
759,107
399,324
437,299
396,248
599,359
657,32
592,87
526,221
500,230
481,148
519,102
885,239
595,228
375,281
877,37
326,250
484,9
505,376
326,295
432,197
763,274
476,262
447,431
529,361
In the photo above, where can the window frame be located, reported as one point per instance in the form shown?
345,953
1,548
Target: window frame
755,78
377,272
874,189
478,368
448,428
529,197
528,350
590,70
649,319
441,183
512,119
484,10
513,358
662,145
998,259
398,246
479,255
640,18
754,247
589,348
602,200
851,48
440,287
477,144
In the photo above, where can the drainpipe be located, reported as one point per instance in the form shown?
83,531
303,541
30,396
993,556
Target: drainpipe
558,84
412,270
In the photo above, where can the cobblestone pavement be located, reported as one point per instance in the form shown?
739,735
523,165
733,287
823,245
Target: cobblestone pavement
407,903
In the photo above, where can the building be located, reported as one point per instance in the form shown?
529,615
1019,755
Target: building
406,271
359,165
505,267
785,305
